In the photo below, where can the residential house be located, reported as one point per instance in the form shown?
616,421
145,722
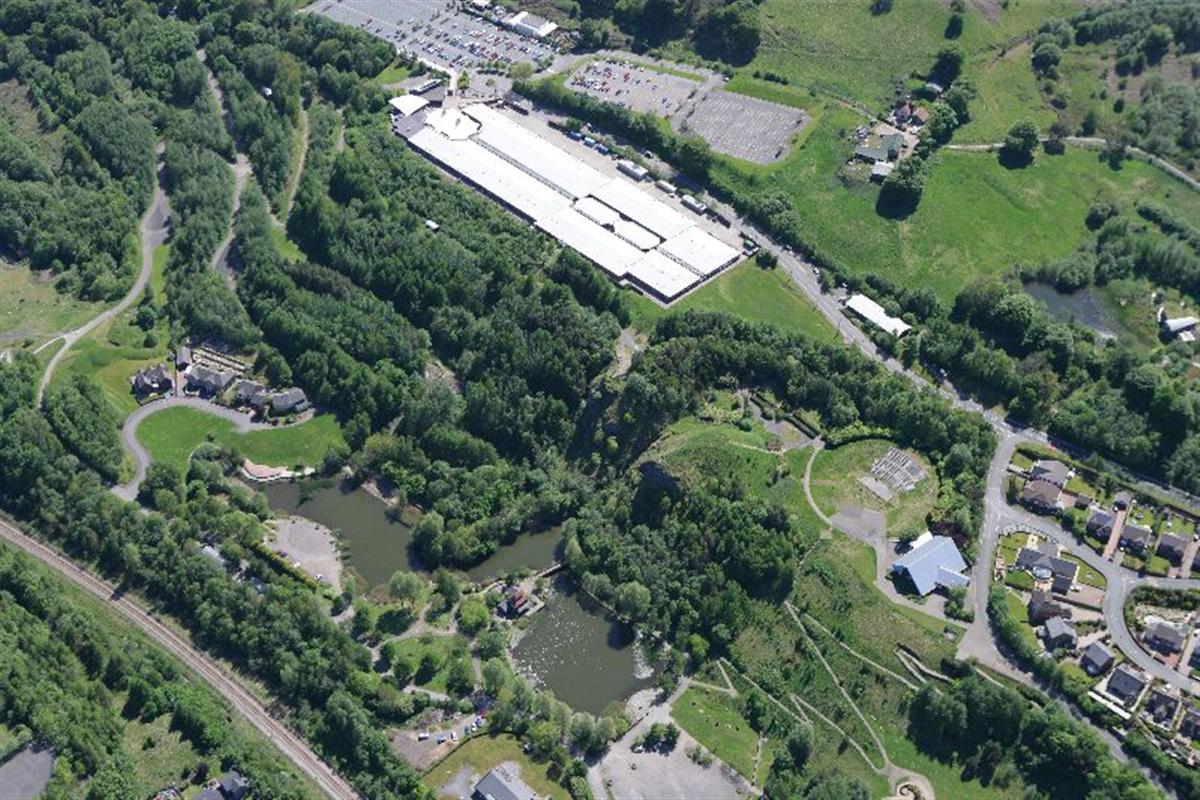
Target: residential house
1041,496
234,786
1182,328
1100,524
1164,638
1061,584
893,143
183,357
1126,686
1189,726
291,401
1135,538
1096,659
871,153
1161,707
880,170
249,393
1172,547
1059,634
152,380
208,382
500,784
933,562
1042,607
1047,469
1194,661
1123,500
919,117
1042,565
902,113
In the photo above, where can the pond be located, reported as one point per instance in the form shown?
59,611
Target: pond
577,650
1084,306
530,550
378,545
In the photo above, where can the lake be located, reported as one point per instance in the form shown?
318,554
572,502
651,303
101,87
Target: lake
577,650
379,545
1084,306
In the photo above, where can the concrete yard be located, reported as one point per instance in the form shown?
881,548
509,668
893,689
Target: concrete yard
312,545
25,775
734,124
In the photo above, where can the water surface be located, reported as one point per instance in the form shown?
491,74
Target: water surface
578,651
1084,306
534,551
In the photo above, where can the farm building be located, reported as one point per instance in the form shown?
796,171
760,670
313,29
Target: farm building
873,313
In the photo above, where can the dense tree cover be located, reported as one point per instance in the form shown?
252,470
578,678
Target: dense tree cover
983,727
283,636
723,30
87,424
64,670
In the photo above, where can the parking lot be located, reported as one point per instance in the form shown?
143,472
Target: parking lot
734,124
436,31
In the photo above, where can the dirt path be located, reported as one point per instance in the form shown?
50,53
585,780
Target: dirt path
294,180
215,675
152,232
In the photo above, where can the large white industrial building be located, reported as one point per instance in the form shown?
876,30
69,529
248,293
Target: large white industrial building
627,232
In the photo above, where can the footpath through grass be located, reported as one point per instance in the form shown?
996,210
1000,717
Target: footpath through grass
172,434
835,475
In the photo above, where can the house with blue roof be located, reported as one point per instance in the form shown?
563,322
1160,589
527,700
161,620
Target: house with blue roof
933,562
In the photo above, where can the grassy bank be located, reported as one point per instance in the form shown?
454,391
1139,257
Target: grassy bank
172,434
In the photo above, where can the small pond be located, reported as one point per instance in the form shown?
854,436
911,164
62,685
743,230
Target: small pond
533,551
1084,306
378,545
581,653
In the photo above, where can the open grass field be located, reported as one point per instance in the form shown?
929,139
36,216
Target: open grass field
975,218
712,719
158,274
1008,91
835,475
172,434
393,73
287,248
481,753
842,48
31,308
747,291
443,647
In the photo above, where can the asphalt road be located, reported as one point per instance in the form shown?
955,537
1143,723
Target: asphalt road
219,678
153,231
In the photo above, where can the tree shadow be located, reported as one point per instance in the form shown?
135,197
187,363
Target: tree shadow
895,205
1014,159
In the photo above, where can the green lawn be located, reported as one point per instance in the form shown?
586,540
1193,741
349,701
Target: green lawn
172,434
158,273
393,73
1008,91
443,646
712,719
841,47
1016,607
975,218
160,754
111,366
31,307
748,291
287,248
481,753
835,475
1086,575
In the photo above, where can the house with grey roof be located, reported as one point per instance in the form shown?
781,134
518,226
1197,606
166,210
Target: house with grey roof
1164,638
933,562
1041,565
289,401
1096,659
871,153
500,784
249,393
1189,726
1047,469
208,382
1058,634
1161,707
1126,686
152,380
1135,538
1061,584
1172,547
1100,523
233,786
1041,496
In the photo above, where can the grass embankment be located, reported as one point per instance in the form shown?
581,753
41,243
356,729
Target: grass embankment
835,475
110,358
482,753
393,73
747,291
712,719
172,434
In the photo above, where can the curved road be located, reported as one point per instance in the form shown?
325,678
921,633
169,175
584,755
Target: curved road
241,424
153,231
222,680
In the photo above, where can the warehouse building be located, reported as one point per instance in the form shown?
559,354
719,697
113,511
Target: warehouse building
632,235
874,313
